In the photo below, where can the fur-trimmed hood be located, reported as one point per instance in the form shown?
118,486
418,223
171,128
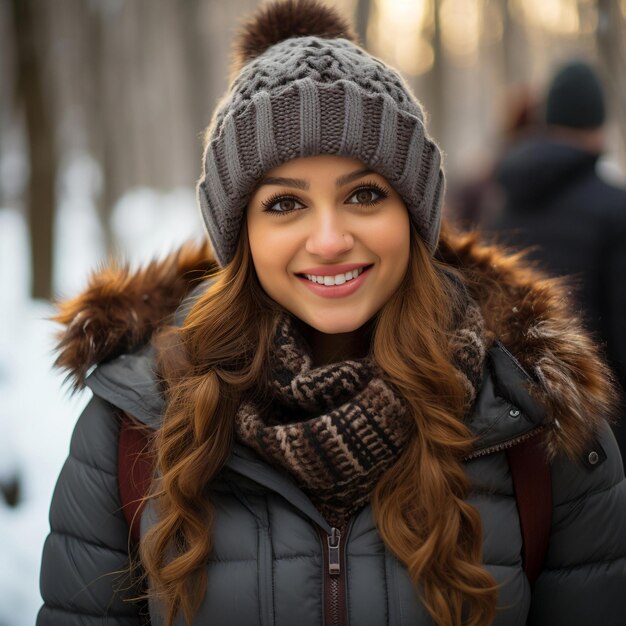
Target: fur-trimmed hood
529,313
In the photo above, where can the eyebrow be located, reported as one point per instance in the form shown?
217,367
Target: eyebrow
298,183
285,182
348,178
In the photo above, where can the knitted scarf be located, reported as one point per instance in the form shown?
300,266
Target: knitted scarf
338,427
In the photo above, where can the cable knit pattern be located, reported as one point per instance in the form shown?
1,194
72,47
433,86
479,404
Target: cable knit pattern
307,96
336,428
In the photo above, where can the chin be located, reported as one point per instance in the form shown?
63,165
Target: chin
335,326
336,330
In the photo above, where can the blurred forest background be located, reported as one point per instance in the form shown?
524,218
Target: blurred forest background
100,98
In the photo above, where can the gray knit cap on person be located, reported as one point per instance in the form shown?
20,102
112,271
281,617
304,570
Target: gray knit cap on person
306,96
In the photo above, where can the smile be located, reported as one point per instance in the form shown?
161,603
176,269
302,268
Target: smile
336,285
339,279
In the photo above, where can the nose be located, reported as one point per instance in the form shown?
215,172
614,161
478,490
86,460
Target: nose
328,237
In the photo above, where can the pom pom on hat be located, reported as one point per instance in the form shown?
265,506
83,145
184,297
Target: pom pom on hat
285,19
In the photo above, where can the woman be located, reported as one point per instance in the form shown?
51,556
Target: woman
331,407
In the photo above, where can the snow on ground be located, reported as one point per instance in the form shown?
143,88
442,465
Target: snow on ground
36,420
37,414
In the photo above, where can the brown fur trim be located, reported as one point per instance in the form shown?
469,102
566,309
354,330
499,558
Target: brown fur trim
528,312
533,317
283,19
120,309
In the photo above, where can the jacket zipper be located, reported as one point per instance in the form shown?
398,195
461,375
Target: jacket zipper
505,445
334,550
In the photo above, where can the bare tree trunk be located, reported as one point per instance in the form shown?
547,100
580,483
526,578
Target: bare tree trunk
111,124
363,10
433,94
611,39
96,121
514,45
39,130
200,101
113,134
8,82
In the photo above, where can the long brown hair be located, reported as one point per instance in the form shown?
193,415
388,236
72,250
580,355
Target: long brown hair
221,351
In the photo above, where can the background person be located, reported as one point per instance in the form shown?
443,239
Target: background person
574,221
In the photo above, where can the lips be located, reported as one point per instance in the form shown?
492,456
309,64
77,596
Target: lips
332,270
336,281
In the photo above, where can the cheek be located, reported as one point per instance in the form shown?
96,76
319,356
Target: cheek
393,243
270,249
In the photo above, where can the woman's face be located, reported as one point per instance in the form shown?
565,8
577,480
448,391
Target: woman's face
329,240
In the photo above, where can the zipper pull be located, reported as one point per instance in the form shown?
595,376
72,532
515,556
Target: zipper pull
334,565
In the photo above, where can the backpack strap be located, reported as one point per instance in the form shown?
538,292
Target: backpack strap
532,483
530,470
134,471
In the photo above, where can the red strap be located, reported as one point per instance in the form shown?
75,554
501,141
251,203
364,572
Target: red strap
134,471
532,484
530,471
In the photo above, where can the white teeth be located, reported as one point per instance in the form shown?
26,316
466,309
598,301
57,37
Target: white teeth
339,279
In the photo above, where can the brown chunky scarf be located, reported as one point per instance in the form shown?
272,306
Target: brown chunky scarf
338,427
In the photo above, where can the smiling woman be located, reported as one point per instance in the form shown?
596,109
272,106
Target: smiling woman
330,413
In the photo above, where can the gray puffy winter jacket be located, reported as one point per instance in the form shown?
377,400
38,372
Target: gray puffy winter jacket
269,566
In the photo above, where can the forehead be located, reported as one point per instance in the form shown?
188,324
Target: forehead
308,167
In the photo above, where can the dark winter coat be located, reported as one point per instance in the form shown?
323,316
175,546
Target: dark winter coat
268,566
576,223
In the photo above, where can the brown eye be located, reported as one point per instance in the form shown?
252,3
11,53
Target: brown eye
364,196
281,205
367,196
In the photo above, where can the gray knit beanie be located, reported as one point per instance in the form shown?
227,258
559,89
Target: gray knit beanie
300,93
